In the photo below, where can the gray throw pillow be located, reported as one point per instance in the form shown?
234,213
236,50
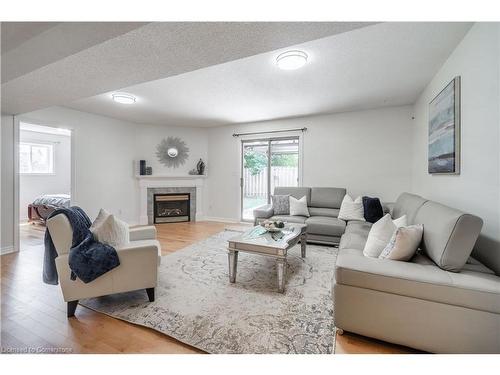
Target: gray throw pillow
281,204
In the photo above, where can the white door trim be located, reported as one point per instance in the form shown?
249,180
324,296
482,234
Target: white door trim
17,222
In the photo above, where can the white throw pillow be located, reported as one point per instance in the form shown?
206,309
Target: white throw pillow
404,243
298,207
112,231
401,221
101,216
380,235
352,209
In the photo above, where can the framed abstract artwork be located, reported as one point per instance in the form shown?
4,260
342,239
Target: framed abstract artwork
444,130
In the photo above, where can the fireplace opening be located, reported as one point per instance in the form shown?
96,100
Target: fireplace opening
171,208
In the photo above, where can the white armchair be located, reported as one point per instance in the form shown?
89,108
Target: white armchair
138,267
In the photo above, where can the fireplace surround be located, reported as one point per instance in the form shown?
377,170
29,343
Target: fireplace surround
162,184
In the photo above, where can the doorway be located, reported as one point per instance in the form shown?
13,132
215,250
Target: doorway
45,178
266,164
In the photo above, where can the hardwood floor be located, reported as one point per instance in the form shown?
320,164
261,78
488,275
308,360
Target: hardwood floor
33,314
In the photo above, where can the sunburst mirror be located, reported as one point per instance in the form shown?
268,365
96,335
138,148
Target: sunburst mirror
172,152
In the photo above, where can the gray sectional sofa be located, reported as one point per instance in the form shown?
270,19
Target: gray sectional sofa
323,226
442,300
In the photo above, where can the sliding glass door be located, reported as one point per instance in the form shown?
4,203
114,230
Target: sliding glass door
267,163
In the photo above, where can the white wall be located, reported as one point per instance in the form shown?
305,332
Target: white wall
476,189
32,186
366,152
7,184
105,150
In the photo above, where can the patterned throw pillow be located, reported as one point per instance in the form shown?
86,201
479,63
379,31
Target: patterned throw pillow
404,243
281,204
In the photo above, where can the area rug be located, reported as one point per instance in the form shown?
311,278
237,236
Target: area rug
196,304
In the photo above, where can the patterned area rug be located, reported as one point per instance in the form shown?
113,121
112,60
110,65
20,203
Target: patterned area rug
196,304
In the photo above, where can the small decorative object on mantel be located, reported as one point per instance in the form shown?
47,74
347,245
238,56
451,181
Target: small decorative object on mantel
149,171
200,167
172,152
142,167
444,130
199,170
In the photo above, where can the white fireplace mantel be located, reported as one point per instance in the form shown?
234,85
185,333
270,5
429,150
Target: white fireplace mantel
165,181
170,177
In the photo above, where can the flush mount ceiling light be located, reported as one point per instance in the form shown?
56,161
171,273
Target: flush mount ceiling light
123,98
291,60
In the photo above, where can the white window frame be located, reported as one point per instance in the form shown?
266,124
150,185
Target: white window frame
264,137
52,150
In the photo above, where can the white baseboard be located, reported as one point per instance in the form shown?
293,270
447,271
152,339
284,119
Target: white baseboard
7,250
221,219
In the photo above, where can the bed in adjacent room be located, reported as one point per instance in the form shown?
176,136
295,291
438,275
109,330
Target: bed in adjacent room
44,205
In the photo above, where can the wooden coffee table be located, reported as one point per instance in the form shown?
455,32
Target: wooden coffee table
275,245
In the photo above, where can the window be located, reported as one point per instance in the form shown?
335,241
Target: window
36,158
267,163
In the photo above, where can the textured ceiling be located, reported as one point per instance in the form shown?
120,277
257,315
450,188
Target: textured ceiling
113,56
16,33
58,42
381,65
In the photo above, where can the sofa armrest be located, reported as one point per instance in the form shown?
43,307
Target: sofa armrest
142,233
263,212
143,247
138,269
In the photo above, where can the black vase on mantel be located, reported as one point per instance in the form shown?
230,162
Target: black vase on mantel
142,167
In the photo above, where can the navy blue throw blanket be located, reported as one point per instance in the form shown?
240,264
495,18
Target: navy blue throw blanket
88,259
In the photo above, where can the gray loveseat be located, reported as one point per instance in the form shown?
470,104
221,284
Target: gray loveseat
323,226
441,301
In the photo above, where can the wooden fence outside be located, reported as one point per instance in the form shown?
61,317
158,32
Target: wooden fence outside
256,185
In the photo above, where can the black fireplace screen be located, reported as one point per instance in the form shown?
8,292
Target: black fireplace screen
171,208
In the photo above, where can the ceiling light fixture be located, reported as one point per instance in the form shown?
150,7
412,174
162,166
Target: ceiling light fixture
123,98
291,60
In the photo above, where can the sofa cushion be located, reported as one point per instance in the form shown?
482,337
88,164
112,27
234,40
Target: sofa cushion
290,219
296,192
420,278
356,233
407,204
320,238
449,234
328,226
328,197
321,211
